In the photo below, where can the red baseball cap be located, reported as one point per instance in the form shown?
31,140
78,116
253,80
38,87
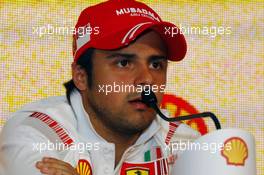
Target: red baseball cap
116,23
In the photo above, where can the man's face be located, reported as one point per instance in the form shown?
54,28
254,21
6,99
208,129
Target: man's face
141,63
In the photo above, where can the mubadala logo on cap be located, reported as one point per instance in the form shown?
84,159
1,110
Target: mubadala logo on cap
136,12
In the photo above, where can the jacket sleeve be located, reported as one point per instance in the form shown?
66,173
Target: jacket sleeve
20,148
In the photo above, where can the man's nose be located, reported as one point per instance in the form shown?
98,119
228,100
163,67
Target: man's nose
144,76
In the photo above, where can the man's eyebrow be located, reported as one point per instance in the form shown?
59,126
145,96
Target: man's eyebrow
134,56
123,55
158,58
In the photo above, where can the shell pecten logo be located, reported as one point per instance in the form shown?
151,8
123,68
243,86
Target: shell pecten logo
84,167
177,106
235,151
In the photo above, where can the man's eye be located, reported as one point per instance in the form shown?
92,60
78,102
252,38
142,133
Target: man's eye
156,65
123,63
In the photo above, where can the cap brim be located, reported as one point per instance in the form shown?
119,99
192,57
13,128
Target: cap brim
175,42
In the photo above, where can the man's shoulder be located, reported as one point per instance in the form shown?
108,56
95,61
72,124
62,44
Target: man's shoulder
26,135
45,103
55,109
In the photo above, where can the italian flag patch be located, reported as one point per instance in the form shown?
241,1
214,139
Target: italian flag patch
153,154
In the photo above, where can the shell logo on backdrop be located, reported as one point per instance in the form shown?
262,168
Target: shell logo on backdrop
179,107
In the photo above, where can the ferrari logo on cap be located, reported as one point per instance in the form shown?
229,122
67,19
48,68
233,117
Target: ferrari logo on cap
235,151
84,167
137,171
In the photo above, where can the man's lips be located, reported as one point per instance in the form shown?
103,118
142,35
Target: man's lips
138,104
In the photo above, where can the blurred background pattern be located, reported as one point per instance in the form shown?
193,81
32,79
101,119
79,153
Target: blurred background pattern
223,71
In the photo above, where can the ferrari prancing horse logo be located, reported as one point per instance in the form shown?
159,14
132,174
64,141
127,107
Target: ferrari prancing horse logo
137,171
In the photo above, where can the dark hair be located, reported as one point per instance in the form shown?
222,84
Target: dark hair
85,61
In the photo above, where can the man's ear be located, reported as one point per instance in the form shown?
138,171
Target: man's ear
79,77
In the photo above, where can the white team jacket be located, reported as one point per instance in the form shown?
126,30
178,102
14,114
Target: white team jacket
53,128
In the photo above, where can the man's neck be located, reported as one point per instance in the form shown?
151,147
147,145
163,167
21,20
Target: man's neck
122,141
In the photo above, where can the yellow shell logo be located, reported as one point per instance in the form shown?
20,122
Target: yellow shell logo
235,151
84,168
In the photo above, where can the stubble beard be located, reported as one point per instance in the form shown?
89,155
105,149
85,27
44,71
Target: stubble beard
116,121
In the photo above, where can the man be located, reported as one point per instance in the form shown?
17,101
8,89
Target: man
100,129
